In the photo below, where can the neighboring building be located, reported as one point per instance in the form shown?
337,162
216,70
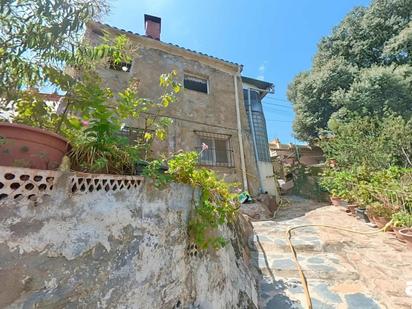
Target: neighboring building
210,108
290,154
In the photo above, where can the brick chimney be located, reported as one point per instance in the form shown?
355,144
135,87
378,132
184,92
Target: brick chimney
152,26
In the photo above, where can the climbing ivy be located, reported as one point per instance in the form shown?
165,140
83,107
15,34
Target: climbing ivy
217,203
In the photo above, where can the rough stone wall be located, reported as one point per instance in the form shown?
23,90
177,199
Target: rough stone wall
114,248
214,112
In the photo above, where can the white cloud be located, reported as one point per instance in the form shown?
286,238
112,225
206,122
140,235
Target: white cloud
261,70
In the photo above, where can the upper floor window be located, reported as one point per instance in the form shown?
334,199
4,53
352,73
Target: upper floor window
196,83
120,66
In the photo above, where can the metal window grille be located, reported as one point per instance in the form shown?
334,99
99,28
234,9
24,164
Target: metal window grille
219,152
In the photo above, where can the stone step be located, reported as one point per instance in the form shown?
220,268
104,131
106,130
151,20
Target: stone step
281,293
278,243
325,266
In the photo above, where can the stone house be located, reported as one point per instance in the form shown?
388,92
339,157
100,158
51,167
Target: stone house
210,108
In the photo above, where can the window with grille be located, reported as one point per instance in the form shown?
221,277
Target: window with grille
218,152
195,83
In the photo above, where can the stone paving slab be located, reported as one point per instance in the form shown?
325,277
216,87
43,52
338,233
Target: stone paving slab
289,294
344,270
320,266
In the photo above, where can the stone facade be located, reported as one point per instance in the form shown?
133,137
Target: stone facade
103,241
214,112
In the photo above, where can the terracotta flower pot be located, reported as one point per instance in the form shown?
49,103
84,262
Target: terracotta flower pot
406,234
352,208
370,217
381,222
26,146
397,234
336,201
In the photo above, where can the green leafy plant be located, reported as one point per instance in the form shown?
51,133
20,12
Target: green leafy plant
402,219
379,210
338,183
217,203
39,37
92,116
369,141
98,146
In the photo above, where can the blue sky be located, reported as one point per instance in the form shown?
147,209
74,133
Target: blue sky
274,40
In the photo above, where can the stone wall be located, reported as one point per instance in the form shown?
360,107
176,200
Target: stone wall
101,241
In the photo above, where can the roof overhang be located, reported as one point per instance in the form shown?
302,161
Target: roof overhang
234,67
260,85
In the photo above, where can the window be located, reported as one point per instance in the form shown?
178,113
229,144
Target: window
218,153
121,66
133,135
257,124
195,83
98,32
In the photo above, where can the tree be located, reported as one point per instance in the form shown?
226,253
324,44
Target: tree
369,141
39,37
41,44
362,68
377,91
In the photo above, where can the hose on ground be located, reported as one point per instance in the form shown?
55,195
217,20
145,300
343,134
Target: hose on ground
295,257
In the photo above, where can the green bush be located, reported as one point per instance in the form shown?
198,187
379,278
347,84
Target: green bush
338,183
402,219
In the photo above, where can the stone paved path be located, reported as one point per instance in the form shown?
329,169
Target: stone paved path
344,270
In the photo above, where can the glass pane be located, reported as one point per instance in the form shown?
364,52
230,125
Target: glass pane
221,151
196,84
206,156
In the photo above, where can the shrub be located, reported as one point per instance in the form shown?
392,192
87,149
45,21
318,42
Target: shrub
379,210
402,219
217,202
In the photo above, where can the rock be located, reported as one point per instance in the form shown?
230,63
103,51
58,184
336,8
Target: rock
257,211
269,201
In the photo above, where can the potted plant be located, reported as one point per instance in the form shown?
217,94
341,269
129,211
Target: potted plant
361,214
37,58
401,220
380,213
28,139
331,182
361,195
31,127
103,143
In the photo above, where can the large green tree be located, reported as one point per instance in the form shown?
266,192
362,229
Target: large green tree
362,69
38,38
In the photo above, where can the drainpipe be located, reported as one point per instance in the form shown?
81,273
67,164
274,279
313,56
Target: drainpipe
252,129
239,133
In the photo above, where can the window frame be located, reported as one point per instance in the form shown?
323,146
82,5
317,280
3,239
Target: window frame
202,136
119,66
198,77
